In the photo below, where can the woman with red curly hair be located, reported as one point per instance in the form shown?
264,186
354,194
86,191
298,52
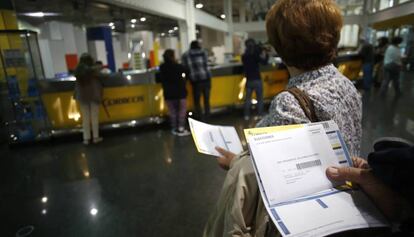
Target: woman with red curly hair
305,33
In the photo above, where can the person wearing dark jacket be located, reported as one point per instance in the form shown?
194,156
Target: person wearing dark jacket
173,83
195,61
367,54
252,58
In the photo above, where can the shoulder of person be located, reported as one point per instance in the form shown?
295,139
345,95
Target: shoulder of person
283,103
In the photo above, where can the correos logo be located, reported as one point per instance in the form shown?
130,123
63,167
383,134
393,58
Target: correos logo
124,100
120,101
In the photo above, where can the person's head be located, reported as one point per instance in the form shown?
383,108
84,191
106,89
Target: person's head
383,41
305,33
396,41
169,56
195,45
250,45
86,59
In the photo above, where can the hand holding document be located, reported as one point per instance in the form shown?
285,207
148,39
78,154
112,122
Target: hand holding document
293,163
207,137
290,164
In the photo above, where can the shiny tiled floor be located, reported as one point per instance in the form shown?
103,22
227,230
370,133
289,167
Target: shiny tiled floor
143,182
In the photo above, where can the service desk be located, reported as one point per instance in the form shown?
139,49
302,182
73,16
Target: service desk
134,96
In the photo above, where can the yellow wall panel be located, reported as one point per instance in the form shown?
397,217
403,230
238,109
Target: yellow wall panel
9,20
119,104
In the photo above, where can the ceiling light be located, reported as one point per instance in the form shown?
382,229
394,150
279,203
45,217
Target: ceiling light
133,21
170,31
222,16
162,34
142,19
132,25
93,211
199,5
39,14
113,27
111,24
176,28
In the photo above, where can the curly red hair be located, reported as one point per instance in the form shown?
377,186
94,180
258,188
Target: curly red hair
305,33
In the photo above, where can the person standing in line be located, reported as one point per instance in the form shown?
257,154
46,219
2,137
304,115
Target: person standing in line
251,59
367,55
379,59
392,67
88,92
410,56
173,83
195,61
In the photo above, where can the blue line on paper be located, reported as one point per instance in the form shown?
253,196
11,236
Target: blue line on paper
344,148
284,229
330,132
279,222
275,214
224,140
343,161
321,203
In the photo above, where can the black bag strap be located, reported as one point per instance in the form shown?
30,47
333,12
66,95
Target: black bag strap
305,103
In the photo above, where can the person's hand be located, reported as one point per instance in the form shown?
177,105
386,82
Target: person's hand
225,159
386,200
360,173
360,163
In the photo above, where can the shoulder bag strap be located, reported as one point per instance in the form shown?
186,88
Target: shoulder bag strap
305,103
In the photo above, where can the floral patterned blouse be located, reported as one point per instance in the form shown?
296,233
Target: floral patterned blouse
334,98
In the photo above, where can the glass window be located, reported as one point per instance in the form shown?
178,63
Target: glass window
351,7
383,4
349,36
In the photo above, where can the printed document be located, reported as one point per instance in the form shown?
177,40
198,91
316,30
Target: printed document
290,164
207,137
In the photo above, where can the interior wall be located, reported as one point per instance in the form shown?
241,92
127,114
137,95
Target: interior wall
211,38
258,36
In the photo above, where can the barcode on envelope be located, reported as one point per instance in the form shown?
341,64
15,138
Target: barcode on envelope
326,125
308,164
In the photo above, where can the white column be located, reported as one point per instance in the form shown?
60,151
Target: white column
228,38
242,12
187,27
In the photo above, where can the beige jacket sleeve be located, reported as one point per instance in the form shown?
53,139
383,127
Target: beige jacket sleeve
239,211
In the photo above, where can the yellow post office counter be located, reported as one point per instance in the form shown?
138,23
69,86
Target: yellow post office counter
136,96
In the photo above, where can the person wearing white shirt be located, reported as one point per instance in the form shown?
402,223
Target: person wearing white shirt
392,66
